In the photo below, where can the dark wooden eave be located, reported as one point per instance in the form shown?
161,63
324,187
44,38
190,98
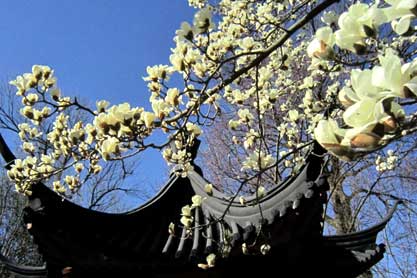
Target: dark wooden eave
20,271
137,242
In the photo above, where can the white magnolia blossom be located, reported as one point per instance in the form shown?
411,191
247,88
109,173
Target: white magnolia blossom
208,188
258,160
194,129
102,105
329,17
404,11
203,20
186,31
372,110
197,200
260,192
321,46
148,118
392,76
109,147
359,22
158,72
173,97
361,81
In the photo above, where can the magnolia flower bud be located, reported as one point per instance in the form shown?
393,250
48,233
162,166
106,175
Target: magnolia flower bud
186,221
27,111
211,260
209,189
46,71
167,154
79,167
245,250
58,187
102,105
186,211
171,229
197,201
55,93
293,115
148,118
233,124
30,99
319,49
37,71
50,82
186,31
261,192
242,200
265,249
11,174
28,147
173,97
96,169
193,129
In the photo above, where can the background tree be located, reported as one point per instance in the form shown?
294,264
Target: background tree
16,242
361,191
110,191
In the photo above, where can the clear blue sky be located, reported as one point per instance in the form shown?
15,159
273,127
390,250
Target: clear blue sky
98,48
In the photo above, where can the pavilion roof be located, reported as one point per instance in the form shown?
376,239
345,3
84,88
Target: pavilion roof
86,241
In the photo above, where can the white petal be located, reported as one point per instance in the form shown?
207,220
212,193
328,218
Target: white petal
397,110
401,26
392,68
347,96
362,83
324,133
412,85
406,4
380,114
360,114
378,77
326,34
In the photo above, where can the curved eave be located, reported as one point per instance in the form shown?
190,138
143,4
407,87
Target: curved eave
291,210
21,271
275,203
357,251
63,230
68,234
42,192
360,239
287,196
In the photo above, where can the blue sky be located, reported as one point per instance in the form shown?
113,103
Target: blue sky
98,48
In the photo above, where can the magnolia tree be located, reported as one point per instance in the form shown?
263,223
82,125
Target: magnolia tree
351,86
